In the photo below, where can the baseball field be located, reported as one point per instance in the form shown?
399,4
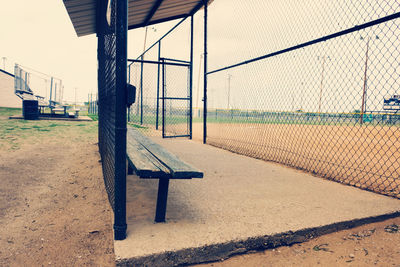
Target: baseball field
363,156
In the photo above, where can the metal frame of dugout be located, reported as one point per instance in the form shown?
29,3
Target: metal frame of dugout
164,62
111,26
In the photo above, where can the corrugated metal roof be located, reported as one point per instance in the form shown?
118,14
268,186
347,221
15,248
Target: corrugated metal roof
141,12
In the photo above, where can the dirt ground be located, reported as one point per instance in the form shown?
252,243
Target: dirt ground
54,209
376,244
53,206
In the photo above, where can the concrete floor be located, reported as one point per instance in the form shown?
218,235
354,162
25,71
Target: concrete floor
241,204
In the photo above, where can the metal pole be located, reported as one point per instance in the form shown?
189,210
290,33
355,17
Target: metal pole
321,87
191,81
163,99
364,85
205,75
144,43
158,85
55,92
198,83
51,89
45,88
4,63
16,77
141,92
129,81
61,92
26,78
120,118
229,88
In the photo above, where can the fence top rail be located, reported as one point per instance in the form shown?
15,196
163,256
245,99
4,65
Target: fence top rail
175,60
315,41
162,37
159,62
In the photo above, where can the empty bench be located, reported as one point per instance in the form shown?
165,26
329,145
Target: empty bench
151,161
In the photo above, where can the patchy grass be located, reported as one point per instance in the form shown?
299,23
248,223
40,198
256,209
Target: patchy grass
93,117
134,125
14,133
6,112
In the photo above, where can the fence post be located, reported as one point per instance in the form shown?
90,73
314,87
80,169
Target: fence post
158,84
141,91
120,119
129,81
191,80
205,75
163,99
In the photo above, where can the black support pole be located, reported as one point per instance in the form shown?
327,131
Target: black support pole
141,92
191,81
158,85
129,81
205,75
163,98
120,119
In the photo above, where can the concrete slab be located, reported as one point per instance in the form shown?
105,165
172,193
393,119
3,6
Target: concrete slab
241,204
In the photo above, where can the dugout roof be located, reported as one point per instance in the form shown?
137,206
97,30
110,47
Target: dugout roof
141,13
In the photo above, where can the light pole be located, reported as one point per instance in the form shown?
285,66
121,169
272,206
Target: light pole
229,89
75,96
321,86
145,38
364,94
4,62
198,81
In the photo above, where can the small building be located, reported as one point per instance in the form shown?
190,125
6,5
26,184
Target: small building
7,96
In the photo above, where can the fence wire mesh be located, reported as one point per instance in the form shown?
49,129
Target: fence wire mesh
329,107
176,100
147,77
92,104
107,99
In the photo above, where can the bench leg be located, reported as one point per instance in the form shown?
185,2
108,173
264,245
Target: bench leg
130,170
162,196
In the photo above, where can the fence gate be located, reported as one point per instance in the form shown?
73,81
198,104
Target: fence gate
176,98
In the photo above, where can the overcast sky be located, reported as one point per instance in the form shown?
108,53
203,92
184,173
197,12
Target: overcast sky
39,34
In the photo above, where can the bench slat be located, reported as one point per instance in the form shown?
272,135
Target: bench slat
143,162
177,168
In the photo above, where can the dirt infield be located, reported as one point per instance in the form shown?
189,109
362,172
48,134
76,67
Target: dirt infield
364,156
53,205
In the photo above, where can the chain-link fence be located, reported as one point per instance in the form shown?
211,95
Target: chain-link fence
310,84
164,88
112,106
92,104
33,84
176,98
